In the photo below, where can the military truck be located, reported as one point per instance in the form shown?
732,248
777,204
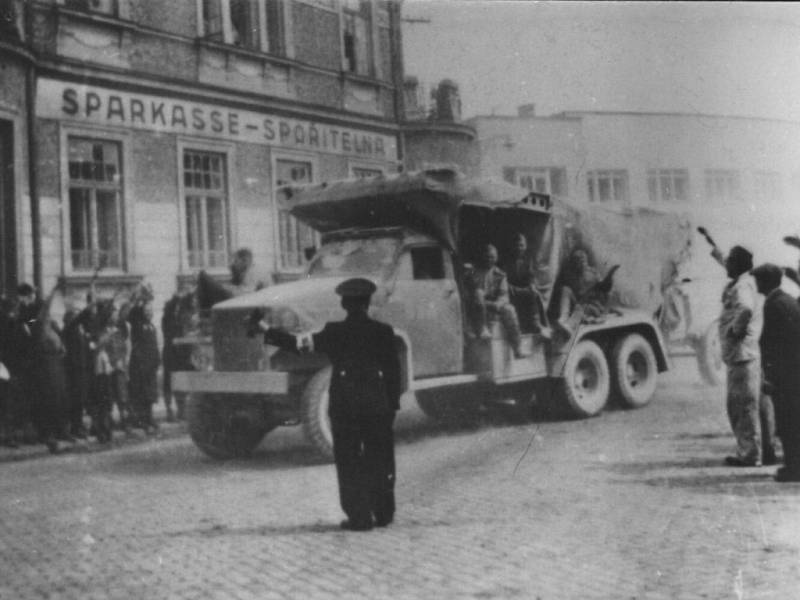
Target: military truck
413,234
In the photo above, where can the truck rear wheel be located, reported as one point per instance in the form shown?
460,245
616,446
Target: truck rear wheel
224,428
586,382
709,356
635,370
316,422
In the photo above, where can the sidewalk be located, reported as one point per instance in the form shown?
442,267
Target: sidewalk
38,450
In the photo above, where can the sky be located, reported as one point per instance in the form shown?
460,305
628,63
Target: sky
739,58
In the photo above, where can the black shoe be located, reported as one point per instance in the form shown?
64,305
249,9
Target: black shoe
784,475
769,460
735,461
353,526
383,522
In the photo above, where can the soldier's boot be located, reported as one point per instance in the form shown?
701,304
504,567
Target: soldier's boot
508,316
180,403
539,328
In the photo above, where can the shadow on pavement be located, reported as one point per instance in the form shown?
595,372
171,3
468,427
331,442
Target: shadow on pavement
707,475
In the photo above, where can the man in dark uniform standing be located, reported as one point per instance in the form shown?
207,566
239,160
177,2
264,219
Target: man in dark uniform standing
364,396
780,359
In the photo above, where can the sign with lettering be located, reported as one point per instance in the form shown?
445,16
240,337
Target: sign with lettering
92,104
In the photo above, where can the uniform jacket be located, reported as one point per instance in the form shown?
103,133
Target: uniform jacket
739,332
492,282
365,368
780,341
521,273
144,342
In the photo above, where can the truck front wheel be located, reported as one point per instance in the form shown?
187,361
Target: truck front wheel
224,428
635,370
586,382
316,422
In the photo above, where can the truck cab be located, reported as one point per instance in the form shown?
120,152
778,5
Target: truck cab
413,235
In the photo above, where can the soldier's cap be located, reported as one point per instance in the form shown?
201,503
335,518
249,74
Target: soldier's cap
357,287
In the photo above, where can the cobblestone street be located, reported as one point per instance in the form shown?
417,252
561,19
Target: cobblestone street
633,504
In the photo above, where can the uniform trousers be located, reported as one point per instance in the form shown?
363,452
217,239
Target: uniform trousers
744,391
363,448
787,415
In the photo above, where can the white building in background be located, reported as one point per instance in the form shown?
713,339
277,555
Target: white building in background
739,176
656,159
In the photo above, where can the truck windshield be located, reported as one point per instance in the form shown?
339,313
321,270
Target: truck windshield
355,257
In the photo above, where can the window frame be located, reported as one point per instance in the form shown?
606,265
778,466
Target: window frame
228,151
344,13
730,175
354,165
226,36
275,158
125,203
594,176
656,176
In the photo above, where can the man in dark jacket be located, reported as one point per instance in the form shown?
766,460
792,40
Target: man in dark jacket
364,396
522,270
780,358
144,362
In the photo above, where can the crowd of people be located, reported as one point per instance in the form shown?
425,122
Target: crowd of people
100,364
96,371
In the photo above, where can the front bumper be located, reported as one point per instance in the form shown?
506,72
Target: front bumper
232,382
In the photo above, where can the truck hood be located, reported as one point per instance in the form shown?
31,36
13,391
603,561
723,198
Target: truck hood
313,300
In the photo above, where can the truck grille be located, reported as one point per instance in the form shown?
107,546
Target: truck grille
233,350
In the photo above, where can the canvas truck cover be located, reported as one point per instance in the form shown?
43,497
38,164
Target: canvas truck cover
428,201
649,245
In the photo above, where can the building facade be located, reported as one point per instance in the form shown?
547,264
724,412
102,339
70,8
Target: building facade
644,159
148,138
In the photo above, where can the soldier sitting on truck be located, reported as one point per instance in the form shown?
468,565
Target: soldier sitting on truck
581,287
488,299
522,270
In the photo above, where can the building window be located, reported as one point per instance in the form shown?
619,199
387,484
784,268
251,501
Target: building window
206,208
608,186
106,7
356,37
366,172
252,24
668,185
722,185
541,180
767,186
95,204
294,237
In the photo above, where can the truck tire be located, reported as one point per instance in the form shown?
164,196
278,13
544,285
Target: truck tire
316,422
709,356
586,383
222,428
635,370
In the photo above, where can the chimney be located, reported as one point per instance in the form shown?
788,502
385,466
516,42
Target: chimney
526,111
